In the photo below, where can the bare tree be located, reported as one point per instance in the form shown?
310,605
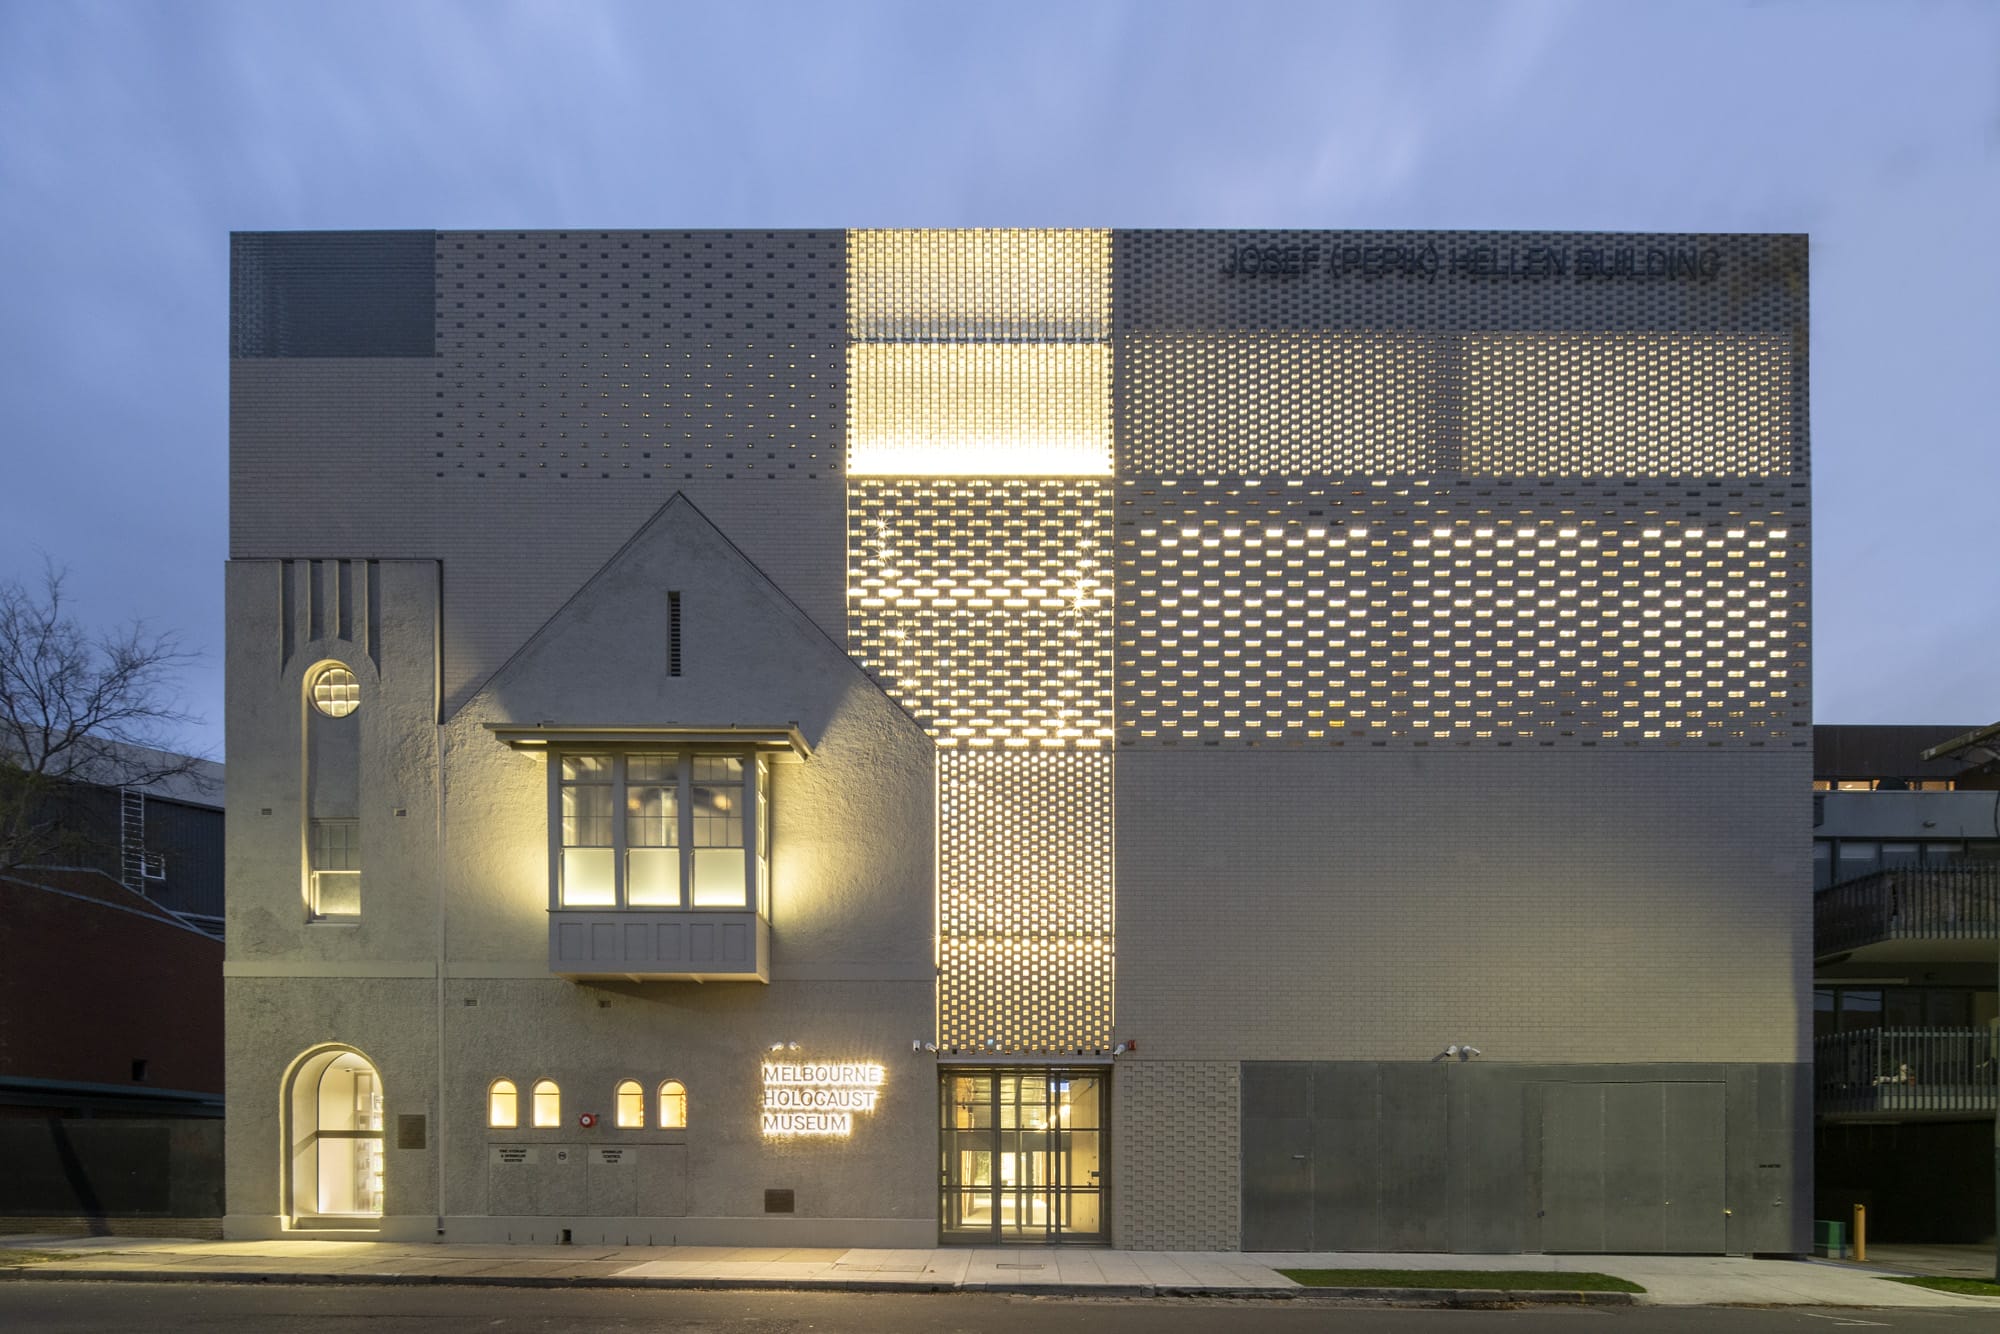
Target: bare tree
78,709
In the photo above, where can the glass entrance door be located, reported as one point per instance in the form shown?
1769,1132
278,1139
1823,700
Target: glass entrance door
1022,1155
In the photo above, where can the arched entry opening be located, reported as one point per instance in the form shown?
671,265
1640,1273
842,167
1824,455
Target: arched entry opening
333,1137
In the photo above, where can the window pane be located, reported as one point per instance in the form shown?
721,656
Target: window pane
337,893
763,836
652,815
336,845
586,817
718,802
652,768
1856,858
1860,1009
673,1106
586,876
548,1104
653,877
1899,854
1823,1012
501,1111
586,768
718,878
631,1105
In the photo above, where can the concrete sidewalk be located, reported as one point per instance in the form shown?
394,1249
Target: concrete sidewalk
1668,1280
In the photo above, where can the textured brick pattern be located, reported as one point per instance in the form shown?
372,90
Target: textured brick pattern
639,355
1390,403
1175,1184
1462,488
1627,405
1011,285
1024,901
1300,403
979,409
985,607
1317,613
981,600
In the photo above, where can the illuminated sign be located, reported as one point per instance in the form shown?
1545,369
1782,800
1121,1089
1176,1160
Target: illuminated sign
818,1099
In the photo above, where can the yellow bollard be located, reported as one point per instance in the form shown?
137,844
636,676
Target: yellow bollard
1861,1233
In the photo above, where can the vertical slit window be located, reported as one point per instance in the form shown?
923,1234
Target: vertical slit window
674,633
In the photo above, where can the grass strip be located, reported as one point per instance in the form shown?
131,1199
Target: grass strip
1967,1287
11,1256
1505,1280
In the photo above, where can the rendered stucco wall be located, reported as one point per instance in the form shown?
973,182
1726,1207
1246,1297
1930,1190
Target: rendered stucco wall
442,1015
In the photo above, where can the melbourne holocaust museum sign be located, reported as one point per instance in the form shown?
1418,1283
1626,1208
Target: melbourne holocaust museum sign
818,1099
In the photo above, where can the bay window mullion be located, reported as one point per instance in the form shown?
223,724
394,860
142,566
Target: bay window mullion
684,812
619,839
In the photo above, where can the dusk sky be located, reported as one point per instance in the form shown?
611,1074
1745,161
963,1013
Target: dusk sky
134,137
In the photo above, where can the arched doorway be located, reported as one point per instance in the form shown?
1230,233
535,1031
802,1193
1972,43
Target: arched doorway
333,1135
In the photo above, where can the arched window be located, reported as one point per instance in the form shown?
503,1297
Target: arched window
673,1105
548,1103
503,1110
631,1102
332,793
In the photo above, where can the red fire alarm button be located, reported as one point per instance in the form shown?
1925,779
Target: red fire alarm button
587,1120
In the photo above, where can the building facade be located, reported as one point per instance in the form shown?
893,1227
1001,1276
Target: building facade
1168,739
1906,1011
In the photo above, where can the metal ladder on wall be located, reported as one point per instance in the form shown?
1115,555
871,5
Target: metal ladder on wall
132,838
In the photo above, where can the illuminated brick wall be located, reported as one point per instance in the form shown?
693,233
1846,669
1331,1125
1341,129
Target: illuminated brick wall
979,593
1461,489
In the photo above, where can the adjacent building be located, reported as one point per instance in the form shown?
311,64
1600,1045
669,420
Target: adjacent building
1906,1008
1168,739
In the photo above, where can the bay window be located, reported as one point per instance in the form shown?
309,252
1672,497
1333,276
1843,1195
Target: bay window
662,829
659,846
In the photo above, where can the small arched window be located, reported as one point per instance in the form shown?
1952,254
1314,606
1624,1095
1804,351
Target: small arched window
548,1103
673,1105
503,1110
631,1102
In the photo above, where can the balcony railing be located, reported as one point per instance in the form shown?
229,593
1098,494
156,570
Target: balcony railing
1885,1071
1960,901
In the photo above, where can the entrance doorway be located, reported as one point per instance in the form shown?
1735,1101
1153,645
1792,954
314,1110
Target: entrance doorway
334,1132
1023,1156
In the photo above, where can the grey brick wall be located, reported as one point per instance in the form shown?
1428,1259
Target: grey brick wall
1175,1153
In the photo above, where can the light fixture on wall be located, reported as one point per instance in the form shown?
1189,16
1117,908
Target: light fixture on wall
1456,1052
919,1044
1129,1044
784,1046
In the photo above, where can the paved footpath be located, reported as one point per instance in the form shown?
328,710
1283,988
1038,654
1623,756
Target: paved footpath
1668,1280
